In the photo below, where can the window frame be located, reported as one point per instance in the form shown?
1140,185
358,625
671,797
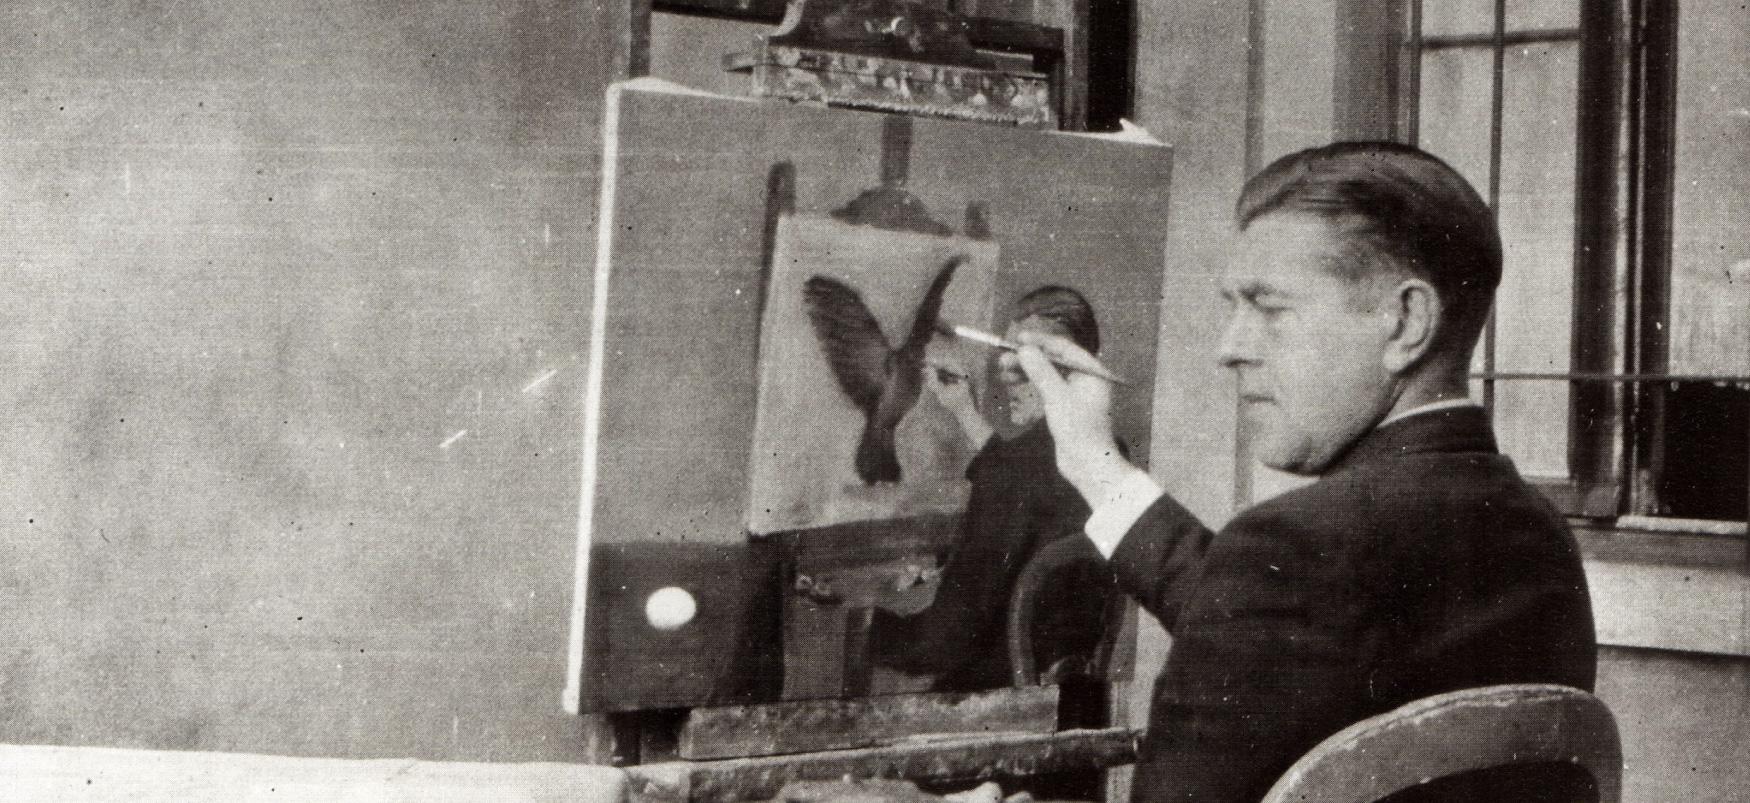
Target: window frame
1625,143
1621,240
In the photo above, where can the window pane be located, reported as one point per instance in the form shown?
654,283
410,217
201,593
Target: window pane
1453,112
1707,465
1710,249
1454,125
1479,388
1532,15
1446,17
1534,308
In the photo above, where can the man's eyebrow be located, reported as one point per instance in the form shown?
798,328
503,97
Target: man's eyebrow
1254,290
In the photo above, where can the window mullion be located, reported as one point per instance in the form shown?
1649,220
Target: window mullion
1654,28
1496,101
1410,77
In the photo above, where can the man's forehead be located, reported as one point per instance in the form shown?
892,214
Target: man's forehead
1278,253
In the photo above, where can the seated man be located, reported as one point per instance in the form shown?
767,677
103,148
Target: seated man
1419,562
1019,503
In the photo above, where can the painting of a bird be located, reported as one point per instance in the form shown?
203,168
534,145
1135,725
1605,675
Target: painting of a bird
883,381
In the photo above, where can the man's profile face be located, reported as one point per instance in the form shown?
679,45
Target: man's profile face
1305,344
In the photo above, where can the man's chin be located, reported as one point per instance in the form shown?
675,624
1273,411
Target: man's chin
1298,469
1290,458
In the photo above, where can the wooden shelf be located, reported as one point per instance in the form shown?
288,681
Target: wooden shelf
950,759
989,33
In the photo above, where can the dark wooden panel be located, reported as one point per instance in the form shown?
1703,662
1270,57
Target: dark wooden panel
850,569
727,654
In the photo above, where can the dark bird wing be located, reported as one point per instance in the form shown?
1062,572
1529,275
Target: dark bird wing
884,383
851,338
923,325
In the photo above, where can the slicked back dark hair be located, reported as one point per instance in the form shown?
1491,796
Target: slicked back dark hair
1400,210
1066,308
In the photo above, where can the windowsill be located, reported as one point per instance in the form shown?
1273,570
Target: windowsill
1664,542
1682,590
1664,524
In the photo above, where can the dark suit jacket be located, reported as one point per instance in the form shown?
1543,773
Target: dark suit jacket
1420,563
1019,503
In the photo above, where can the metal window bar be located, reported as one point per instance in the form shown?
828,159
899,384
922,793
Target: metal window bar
1592,376
1523,37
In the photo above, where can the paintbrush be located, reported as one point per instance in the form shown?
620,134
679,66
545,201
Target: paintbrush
1086,365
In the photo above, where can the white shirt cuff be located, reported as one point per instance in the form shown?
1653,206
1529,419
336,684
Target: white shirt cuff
1117,507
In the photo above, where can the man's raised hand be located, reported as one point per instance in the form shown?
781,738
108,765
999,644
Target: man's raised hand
1078,408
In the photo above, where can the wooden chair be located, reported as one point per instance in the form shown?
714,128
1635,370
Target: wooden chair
1456,732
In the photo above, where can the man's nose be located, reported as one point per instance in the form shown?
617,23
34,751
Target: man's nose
1239,344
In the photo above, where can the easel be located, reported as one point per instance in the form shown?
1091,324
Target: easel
937,740
749,752
1059,51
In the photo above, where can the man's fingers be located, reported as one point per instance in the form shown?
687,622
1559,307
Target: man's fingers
1040,371
1032,355
1056,385
1057,346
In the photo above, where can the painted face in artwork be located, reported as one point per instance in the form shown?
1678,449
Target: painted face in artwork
1305,344
1019,397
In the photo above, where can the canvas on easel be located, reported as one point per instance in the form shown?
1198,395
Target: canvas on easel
721,442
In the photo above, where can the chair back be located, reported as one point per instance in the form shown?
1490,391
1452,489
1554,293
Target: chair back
1457,732
1024,602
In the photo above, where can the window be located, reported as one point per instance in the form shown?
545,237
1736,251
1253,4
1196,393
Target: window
1617,364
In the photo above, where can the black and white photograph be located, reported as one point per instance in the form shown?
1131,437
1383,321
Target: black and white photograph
875,401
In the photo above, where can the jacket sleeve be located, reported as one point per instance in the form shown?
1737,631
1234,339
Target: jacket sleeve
1161,557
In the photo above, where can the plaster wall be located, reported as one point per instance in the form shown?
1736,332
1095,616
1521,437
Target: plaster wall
293,323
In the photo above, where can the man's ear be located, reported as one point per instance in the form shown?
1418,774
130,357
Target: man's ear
1416,308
